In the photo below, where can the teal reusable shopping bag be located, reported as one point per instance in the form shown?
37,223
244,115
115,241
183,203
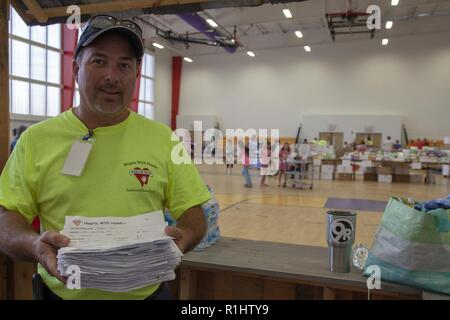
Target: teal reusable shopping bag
413,247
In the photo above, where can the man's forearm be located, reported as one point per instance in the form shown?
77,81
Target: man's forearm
193,223
16,236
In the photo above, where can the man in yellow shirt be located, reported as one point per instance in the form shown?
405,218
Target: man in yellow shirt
128,171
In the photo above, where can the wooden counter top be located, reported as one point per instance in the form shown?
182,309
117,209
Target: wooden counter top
294,263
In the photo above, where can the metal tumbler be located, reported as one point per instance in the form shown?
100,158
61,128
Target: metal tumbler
341,237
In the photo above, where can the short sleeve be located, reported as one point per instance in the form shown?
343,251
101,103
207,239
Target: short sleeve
185,188
17,193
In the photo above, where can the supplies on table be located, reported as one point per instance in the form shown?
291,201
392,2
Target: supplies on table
443,203
303,150
325,152
211,211
118,254
327,172
411,246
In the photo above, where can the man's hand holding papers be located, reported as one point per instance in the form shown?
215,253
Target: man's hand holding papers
119,254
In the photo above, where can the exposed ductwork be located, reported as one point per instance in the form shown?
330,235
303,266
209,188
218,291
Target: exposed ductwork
201,25
214,4
188,13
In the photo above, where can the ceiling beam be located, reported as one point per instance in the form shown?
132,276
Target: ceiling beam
27,18
112,6
36,10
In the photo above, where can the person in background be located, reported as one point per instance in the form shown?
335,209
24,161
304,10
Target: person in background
245,153
265,161
397,145
387,145
18,133
14,135
369,141
284,154
229,156
253,148
419,144
347,148
426,143
305,141
361,147
14,132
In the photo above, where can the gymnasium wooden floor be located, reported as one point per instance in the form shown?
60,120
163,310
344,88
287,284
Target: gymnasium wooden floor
298,216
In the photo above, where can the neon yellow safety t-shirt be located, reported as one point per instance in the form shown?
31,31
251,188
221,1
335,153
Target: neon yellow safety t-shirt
129,171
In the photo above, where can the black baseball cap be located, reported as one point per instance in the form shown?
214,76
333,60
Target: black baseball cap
101,24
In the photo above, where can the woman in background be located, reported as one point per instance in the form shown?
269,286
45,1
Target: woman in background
284,154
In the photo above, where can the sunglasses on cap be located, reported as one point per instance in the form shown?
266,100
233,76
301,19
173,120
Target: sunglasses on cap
105,21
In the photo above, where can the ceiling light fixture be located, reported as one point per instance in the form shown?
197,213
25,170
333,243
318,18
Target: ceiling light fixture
250,53
212,23
299,34
156,44
287,13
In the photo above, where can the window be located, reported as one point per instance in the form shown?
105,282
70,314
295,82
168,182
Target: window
147,87
35,68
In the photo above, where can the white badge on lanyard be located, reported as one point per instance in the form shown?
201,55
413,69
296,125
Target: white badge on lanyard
78,155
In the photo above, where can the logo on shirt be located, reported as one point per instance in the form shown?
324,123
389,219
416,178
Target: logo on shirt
142,175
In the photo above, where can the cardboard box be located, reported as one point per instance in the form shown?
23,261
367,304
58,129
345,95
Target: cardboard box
403,178
416,165
327,168
369,176
385,178
344,169
370,170
366,163
440,180
446,170
385,171
416,178
316,172
359,176
345,176
327,175
401,171
347,163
